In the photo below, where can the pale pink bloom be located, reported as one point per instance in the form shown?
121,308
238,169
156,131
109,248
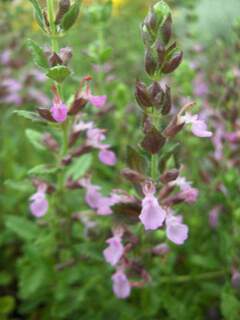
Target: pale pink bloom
119,196
217,141
95,137
235,279
189,194
121,285
97,101
59,111
82,126
177,232
233,137
213,217
115,250
39,203
200,86
5,56
104,206
93,196
198,126
181,182
161,249
152,215
107,157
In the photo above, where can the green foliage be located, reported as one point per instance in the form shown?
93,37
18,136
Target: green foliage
38,55
71,16
58,73
80,166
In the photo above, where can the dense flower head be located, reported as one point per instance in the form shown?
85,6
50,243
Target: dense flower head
152,215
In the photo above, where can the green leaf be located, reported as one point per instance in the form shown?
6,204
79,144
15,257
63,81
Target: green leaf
28,115
58,73
35,138
80,166
105,54
70,16
5,279
38,13
23,185
42,169
230,305
7,304
22,227
135,160
38,55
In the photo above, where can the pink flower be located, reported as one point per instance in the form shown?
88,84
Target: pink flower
189,194
121,285
199,127
104,206
152,215
93,196
182,183
97,101
107,157
95,137
177,232
59,112
39,203
115,250
213,217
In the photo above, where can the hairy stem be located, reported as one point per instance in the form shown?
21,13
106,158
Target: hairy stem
51,17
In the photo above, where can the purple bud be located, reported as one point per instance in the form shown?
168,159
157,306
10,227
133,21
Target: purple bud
150,63
173,63
107,157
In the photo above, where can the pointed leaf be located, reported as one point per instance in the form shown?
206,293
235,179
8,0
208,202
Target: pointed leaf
58,73
38,54
70,16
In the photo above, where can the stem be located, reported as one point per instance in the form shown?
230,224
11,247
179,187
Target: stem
189,278
154,157
51,17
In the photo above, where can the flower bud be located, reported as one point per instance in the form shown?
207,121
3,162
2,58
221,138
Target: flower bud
153,141
46,114
83,149
173,63
167,103
151,22
132,175
142,95
173,128
63,7
162,11
146,36
150,63
77,105
166,30
54,60
170,175
160,52
65,54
